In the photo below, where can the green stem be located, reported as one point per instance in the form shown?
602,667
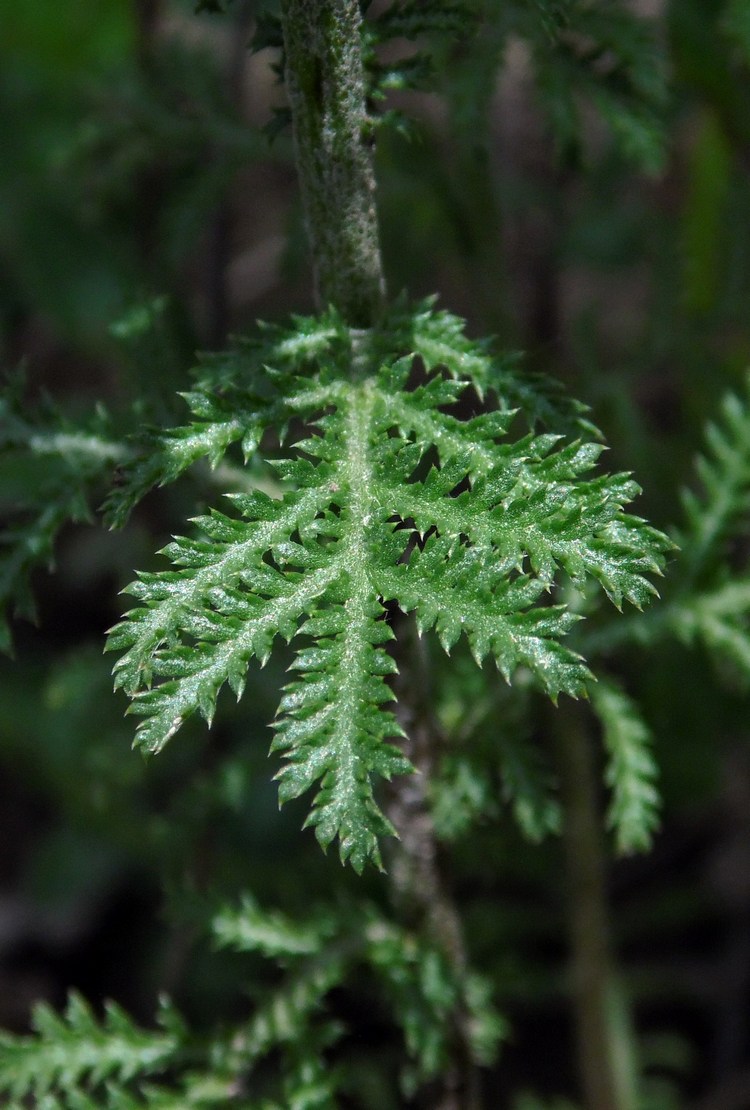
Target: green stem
602,1035
326,89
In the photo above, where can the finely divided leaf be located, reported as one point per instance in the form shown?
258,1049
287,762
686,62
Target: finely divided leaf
722,506
393,496
720,618
631,771
49,470
75,1051
238,395
710,599
252,929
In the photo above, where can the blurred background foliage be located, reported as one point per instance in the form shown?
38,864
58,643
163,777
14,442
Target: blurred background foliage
589,206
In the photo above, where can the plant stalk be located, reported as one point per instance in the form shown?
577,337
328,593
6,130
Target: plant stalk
326,90
603,1039
420,888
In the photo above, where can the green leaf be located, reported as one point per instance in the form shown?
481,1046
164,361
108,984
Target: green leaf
391,498
631,769
720,510
438,338
424,988
50,469
611,58
460,793
527,785
207,1092
430,25
720,619
708,601
75,1051
252,929
285,1018
235,399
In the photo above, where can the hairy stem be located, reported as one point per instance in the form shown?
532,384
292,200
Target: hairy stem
602,1037
419,886
326,90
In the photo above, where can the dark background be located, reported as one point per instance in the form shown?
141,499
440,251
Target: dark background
144,216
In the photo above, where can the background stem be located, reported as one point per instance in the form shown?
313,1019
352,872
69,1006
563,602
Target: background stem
602,1036
326,89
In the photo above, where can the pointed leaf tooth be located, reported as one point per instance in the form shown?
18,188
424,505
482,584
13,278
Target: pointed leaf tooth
291,731
255,505
544,443
250,443
449,630
237,678
325,622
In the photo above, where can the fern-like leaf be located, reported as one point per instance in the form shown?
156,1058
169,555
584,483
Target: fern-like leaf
608,57
207,1091
438,338
719,618
252,929
49,471
710,602
423,989
527,785
391,498
631,770
286,1017
75,1052
721,508
236,397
